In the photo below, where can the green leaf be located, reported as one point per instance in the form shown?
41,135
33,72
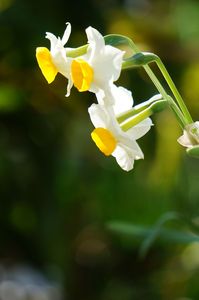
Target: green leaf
150,239
137,231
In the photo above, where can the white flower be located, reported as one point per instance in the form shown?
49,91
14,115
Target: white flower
99,67
190,135
119,97
123,102
110,138
54,61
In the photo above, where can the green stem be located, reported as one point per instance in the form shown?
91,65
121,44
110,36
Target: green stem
149,72
136,120
119,40
161,90
137,109
145,58
153,108
177,112
174,90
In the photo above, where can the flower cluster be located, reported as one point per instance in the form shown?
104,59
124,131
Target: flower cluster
96,67
96,71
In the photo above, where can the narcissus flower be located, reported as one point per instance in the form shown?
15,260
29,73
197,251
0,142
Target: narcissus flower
99,67
111,139
190,135
56,60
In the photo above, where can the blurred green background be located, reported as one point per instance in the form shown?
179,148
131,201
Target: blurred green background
62,203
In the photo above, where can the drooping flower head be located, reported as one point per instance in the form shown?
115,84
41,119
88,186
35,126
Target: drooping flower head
99,67
190,135
111,139
55,60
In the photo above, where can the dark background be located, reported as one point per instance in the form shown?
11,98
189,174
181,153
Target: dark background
60,198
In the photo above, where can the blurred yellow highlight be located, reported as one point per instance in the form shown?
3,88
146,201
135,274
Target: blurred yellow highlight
5,4
104,140
45,63
190,257
82,74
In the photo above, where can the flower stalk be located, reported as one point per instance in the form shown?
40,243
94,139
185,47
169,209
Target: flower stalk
144,58
137,109
145,113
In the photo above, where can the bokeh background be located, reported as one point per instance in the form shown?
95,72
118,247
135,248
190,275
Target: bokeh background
73,225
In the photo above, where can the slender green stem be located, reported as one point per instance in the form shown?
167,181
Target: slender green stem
161,90
136,120
153,108
145,58
150,72
141,107
177,113
174,90
130,113
119,40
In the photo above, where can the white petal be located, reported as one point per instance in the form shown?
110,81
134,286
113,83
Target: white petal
117,60
132,145
53,40
124,159
125,156
106,70
105,60
119,97
66,34
184,140
123,100
95,40
100,95
63,64
190,135
99,116
156,97
104,96
196,124
140,129
115,56
69,86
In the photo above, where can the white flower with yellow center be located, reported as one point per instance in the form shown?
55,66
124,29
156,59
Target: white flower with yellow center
99,67
54,61
111,139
